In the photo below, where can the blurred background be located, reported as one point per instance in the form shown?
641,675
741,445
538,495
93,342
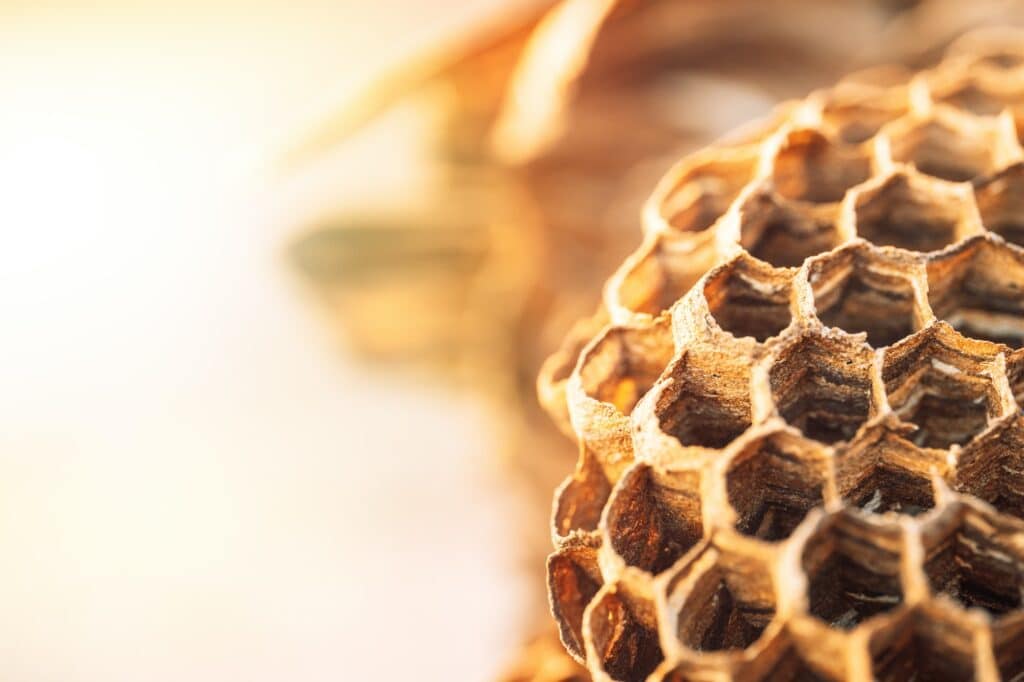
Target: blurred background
196,484
275,282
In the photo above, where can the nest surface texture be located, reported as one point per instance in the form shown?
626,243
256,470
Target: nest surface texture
799,408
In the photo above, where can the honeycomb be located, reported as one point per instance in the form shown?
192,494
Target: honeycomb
798,411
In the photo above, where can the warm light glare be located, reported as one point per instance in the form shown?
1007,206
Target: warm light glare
184,491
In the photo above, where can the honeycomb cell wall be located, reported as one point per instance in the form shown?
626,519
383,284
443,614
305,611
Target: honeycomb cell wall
798,410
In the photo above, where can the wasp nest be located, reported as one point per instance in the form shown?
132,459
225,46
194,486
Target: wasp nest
798,412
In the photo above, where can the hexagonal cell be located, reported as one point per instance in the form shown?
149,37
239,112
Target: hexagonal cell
747,298
822,386
624,362
624,633
947,408
722,601
697,192
925,644
654,516
782,232
857,113
573,580
614,372
979,289
859,289
707,401
580,499
1000,200
937,346
660,273
809,167
991,466
941,383
975,558
970,94
943,147
773,481
717,621
883,473
913,213
853,571
555,372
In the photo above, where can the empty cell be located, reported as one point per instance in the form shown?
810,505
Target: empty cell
715,621
625,636
784,233
573,580
890,489
773,482
947,408
977,96
580,499
809,167
857,289
991,467
553,378
698,193
725,601
1000,200
923,645
654,516
822,386
661,272
746,298
911,213
883,473
979,289
857,119
852,574
975,560
625,362
942,149
707,402
942,383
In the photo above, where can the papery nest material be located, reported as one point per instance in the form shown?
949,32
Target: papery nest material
800,432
